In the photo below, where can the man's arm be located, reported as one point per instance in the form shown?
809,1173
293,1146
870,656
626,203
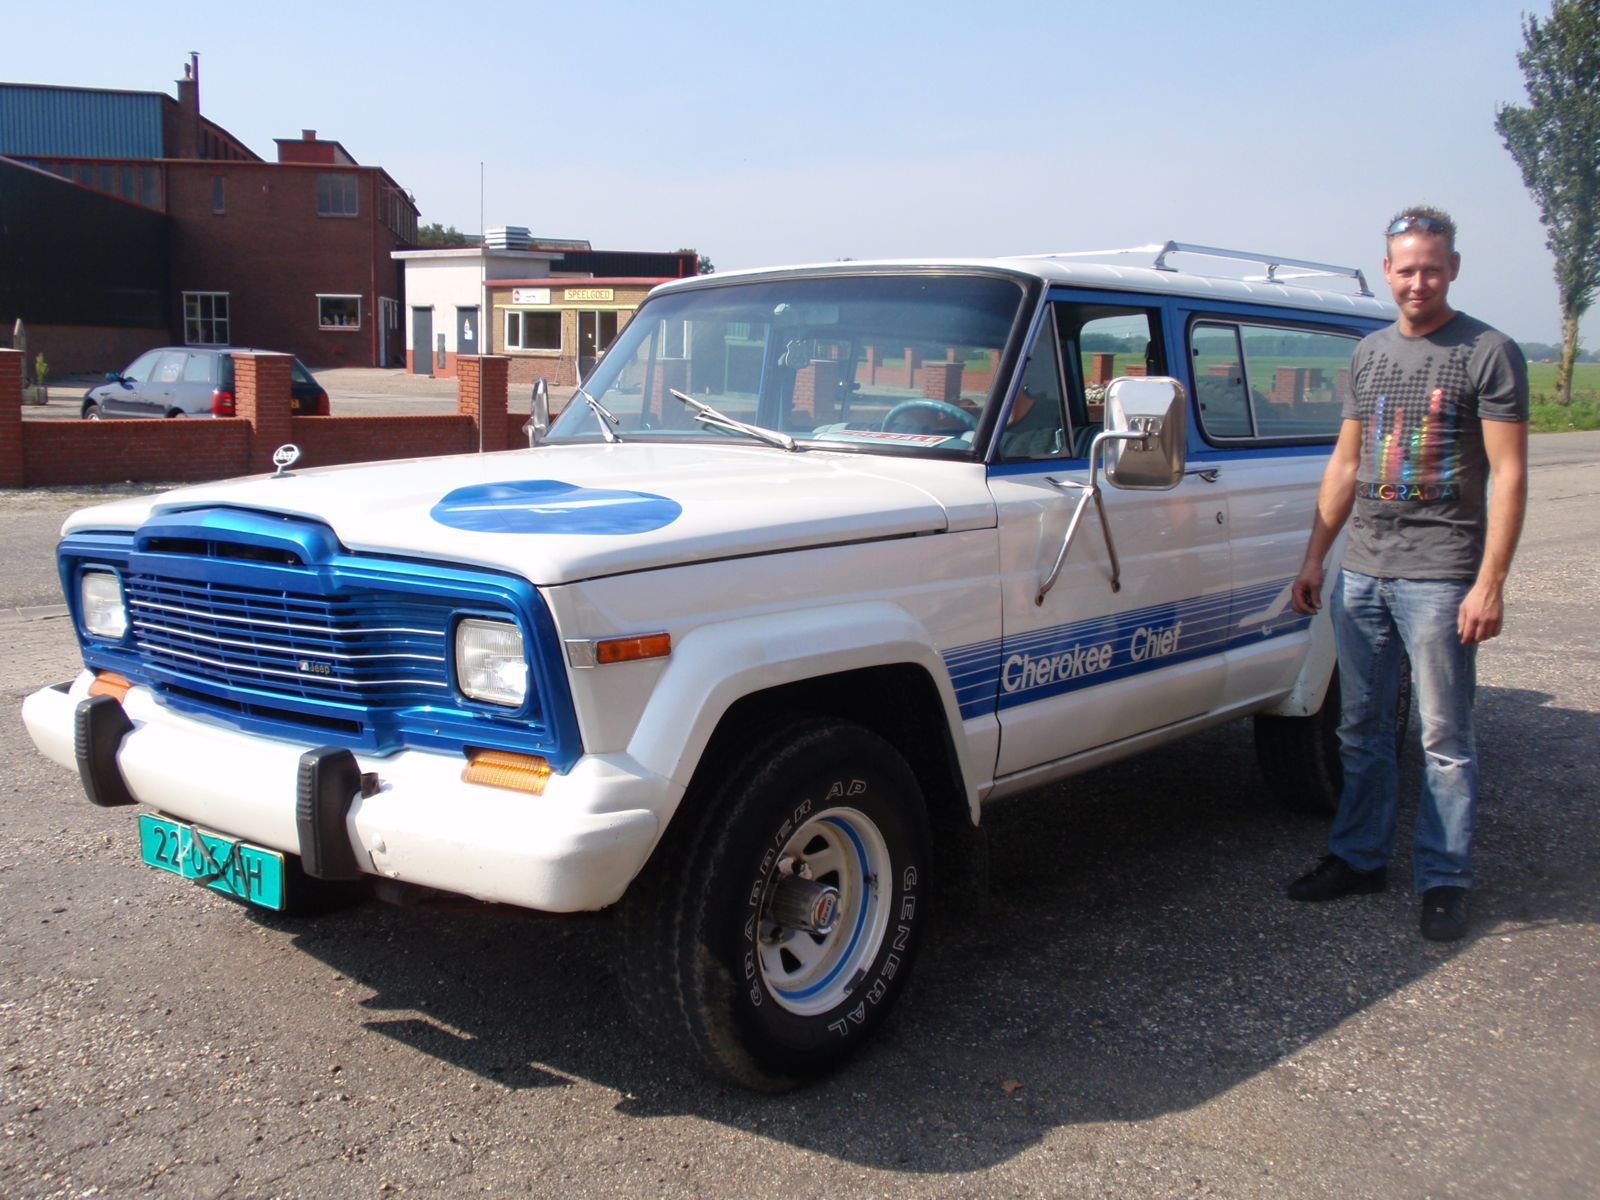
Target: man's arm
1335,498
1482,613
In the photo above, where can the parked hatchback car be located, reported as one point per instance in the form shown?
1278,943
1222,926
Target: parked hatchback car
189,381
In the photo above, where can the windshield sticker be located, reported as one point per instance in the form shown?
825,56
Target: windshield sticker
550,506
882,435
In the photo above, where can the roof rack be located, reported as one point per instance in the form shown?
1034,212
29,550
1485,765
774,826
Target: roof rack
1272,262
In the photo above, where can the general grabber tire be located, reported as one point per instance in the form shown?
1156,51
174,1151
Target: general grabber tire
773,931
1299,756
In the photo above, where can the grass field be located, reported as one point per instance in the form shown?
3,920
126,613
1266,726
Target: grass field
1546,416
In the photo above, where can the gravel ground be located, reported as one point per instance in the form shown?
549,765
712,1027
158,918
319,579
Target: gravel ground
1134,1010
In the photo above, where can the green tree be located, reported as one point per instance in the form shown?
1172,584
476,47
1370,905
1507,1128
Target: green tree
442,235
1555,140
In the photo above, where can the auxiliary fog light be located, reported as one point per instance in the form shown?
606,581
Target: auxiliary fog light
100,600
491,662
501,768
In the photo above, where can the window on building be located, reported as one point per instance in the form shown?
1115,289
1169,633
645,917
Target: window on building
533,331
219,194
337,194
339,312
205,318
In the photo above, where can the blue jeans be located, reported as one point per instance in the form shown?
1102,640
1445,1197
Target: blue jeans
1373,620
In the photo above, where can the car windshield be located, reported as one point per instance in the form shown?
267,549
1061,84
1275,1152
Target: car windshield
882,362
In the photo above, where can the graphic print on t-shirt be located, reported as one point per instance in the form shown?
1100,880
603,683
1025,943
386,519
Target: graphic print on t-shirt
1411,443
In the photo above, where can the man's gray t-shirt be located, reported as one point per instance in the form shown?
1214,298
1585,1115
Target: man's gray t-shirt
1421,487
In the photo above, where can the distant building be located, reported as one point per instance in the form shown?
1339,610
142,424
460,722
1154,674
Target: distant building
291,255
555,304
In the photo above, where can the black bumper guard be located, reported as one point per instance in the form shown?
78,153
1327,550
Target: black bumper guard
330,780
98,727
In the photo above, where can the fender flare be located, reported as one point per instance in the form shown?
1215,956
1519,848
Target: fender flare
717,665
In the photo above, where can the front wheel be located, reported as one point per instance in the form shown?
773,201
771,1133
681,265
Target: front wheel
773,931
91,411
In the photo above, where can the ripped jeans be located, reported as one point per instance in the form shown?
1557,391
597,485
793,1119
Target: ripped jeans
1374,620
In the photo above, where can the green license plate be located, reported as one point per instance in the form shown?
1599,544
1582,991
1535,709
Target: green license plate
221,864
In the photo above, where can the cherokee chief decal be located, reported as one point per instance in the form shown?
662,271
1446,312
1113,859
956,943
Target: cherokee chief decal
550,506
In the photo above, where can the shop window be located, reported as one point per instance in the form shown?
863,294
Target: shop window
533,331
339,312
337,195
205,318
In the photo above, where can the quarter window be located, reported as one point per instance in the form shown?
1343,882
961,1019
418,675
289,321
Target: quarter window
205,318
533,330
337,195
1268,382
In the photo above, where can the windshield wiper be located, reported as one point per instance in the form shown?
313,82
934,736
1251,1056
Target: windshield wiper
603,415
707,415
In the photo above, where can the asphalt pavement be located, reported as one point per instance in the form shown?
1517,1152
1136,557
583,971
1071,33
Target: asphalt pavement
1134,1010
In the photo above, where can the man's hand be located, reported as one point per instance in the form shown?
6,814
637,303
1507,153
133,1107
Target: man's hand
1481,614
1305,593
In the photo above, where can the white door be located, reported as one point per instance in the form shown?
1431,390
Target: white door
1088,665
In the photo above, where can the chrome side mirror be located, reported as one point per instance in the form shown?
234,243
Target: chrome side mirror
539,418
1148,420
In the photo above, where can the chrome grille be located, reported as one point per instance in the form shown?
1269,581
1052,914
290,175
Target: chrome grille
369,649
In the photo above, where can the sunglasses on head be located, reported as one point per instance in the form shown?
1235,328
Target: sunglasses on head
1417,225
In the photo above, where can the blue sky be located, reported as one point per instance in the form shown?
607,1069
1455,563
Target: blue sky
766,133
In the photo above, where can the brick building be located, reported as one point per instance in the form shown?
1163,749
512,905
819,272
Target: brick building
293,255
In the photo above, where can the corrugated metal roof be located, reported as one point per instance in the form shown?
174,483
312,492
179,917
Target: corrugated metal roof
79,122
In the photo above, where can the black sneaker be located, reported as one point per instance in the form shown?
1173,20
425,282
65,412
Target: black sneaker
1444,913
1333,877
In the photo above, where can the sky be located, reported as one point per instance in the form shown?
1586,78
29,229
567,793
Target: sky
765,133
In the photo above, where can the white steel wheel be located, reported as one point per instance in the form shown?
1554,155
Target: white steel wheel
824,912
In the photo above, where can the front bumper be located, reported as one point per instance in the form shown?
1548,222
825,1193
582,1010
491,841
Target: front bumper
575,848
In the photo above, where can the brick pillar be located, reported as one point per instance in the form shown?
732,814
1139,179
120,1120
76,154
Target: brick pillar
913,361
874,358
1103,367
1134,369
261,396
942,381
1341,383
11,465
668,411
482,388
816,392
1286,383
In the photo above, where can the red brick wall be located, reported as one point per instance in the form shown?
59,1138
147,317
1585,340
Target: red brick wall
80,349
273,255
180,451
326,441
11,467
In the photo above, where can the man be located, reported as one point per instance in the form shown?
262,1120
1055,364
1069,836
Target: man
1437,405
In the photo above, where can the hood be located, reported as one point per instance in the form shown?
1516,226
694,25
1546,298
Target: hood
560,514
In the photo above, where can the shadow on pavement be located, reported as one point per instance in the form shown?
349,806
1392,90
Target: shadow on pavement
1136,957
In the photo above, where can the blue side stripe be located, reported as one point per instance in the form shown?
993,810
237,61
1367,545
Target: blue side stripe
1002,673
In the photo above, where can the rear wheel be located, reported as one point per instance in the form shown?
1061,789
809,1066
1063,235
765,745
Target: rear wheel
773,931
1299,756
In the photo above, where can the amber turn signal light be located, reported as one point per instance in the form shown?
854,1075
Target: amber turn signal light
503,769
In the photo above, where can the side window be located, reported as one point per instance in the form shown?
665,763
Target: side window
139,370
1219,381
1036,421
170,368
1268,381
1099,342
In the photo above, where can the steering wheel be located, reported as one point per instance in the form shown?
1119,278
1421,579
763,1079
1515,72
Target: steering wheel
963,419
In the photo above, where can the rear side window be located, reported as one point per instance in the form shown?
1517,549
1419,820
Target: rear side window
1256,382
198,368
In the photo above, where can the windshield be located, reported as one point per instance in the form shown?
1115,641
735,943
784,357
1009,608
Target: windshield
898,363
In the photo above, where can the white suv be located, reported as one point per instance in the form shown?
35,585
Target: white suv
819,562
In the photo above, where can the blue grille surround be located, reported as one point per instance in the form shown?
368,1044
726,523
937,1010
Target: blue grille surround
267,623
